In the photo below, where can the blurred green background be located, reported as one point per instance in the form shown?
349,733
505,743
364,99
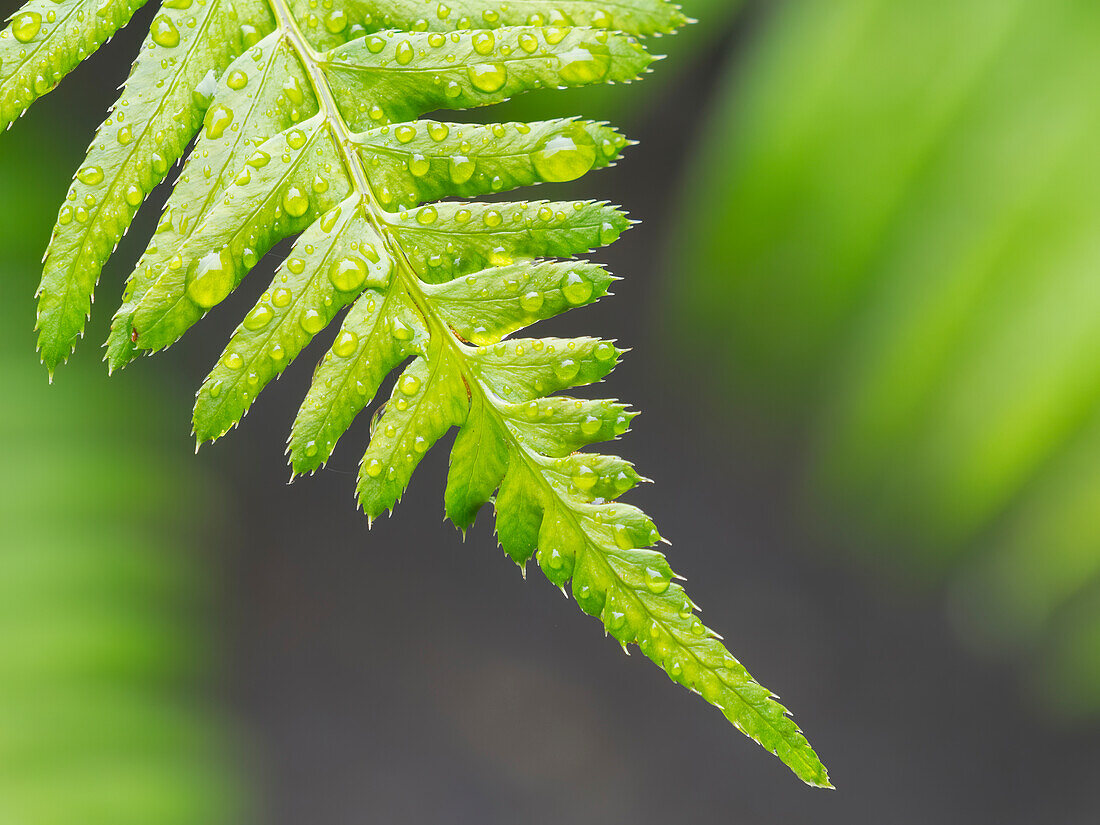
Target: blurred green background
863,307
889,239
105,600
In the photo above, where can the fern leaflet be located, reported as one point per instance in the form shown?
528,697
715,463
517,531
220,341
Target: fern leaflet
309,123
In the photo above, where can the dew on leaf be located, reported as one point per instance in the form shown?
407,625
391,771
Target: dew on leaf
295,202
488,77
565,157
212,281
164,32
26,26
576,288
348,274
346,344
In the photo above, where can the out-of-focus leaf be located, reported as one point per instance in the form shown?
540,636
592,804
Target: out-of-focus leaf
890,242
99,661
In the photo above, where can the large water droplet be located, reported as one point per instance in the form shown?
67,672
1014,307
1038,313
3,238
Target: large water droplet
213,279
576,288
531,302
462,169
566,369
565,157
26,26
90,175
655,581
295,202
585,63
313,321
584,477
484,42
218,119
164,32
347,342
488,77
348,274
259,317
591,425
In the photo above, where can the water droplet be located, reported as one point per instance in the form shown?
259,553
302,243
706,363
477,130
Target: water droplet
281,297
259,317
566,369
213,279
488,77
601,19
295,202
585,63
346,344
531,302
402,331
655,581
591,425
576,288
348,274
584,477
623,538
25,26
438,131
296,139
164,32
604,351
237,80
218,119
313,321
233,361
427,216
554,35
125,136
405,53
528,42
419,165
404,133
409,384
373,468
250,34
90,175
462,169
565,157
484,42
336,21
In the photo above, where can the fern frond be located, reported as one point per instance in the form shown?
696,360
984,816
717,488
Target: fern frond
301,133
47,39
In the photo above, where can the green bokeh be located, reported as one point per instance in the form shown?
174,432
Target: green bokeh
890,244
103,664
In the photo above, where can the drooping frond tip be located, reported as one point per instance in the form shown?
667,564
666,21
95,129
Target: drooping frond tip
308,122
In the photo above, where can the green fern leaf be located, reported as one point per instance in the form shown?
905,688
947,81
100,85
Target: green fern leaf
46,40
309,125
